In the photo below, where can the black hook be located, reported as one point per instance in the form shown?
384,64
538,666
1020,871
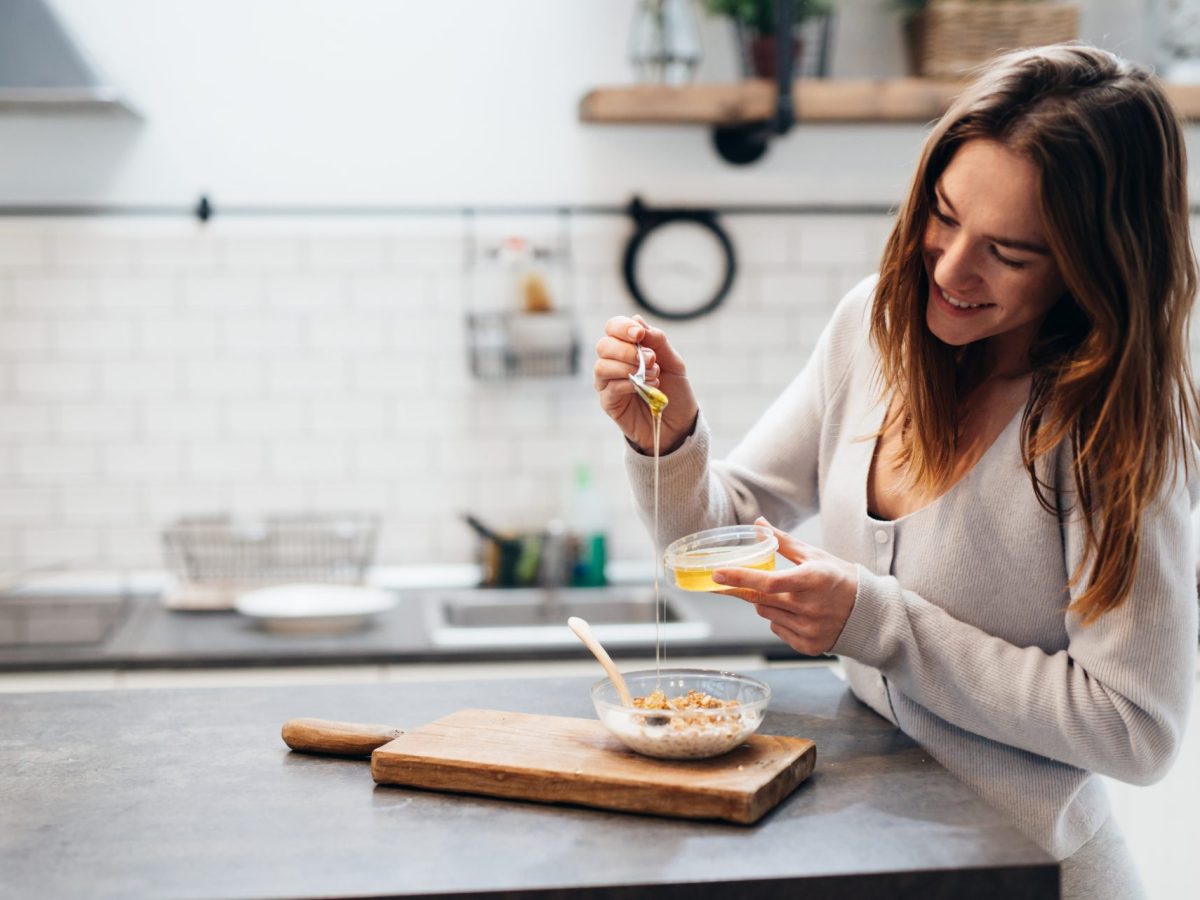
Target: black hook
204,209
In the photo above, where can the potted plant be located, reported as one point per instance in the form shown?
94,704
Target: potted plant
756,22
949,38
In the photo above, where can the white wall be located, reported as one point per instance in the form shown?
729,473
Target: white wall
398,101
152,367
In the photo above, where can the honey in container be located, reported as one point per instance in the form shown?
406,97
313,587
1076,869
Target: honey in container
692,559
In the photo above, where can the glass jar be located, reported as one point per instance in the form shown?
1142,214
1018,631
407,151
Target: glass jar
664,42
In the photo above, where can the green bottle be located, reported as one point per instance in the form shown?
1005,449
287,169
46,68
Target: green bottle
587,521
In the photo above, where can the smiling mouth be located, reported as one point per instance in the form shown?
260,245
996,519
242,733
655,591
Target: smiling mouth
960,304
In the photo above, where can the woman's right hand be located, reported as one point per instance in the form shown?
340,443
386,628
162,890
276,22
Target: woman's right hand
616,360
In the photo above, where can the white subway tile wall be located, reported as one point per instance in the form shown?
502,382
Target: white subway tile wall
152,369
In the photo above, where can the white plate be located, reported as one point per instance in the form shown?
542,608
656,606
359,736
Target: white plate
313,608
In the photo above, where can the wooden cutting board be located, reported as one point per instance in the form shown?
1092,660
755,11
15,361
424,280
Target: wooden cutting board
552,759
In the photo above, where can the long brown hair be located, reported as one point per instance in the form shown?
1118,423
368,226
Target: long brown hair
1111,375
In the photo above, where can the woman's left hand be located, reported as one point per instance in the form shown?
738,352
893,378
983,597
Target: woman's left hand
808,605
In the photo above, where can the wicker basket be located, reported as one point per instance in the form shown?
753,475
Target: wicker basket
949,38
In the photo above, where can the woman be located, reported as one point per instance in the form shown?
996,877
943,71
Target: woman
997,433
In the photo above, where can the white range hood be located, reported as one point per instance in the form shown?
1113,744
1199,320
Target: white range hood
43,70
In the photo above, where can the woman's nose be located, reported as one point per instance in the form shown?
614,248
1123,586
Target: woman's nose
954,264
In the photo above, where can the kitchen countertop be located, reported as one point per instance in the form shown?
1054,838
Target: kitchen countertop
149,636
191,793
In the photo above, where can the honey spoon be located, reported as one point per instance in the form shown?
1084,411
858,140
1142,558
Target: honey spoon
655,399
583,631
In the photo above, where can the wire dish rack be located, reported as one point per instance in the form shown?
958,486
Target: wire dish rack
215,558
516,345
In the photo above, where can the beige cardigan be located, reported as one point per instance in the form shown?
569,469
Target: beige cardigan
959,634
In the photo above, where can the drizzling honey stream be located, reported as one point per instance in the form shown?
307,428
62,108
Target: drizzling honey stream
657,401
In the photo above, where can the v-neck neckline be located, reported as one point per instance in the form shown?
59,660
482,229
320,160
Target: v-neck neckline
873,448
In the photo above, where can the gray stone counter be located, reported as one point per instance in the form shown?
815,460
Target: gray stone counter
192,794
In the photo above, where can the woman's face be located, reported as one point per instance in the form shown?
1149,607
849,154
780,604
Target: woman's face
991,275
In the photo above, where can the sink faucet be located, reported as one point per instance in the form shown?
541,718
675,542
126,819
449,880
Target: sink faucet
553,573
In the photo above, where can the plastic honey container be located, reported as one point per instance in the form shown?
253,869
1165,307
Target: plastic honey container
692,559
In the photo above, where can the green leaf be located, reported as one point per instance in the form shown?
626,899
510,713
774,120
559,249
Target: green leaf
760,16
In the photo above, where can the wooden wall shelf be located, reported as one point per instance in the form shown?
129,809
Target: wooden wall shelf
816,100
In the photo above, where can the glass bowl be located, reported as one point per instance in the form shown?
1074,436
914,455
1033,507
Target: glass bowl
692,559
683,733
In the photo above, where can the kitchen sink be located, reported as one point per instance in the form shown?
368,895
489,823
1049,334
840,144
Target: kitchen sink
516,617
57,618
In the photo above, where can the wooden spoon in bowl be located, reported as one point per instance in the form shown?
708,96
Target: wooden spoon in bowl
583,631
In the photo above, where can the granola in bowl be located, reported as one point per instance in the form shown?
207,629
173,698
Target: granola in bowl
683,713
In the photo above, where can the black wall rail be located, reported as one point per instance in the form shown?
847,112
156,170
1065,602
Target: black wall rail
205,210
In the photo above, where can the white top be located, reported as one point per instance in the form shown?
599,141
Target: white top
959,633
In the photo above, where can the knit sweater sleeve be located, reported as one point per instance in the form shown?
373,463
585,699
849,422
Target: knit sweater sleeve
1114,701
773,471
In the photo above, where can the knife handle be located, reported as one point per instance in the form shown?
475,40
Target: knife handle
336,738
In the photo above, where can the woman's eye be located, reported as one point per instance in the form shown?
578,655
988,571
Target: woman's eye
1011,263
1004,260
942,217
